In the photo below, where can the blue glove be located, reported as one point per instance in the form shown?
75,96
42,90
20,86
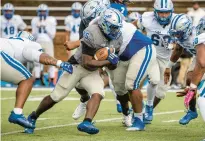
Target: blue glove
113,59
67,67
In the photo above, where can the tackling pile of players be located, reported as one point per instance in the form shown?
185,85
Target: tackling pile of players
135,50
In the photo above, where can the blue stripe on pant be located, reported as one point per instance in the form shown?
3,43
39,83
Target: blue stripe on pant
200,86
16,65
143,66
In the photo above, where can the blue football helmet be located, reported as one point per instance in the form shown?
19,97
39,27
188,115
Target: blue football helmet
75,9
163,6
8,10
181,27
200,28
110,23
42,11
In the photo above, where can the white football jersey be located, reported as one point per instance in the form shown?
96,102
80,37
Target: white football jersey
158,34
44,30
9,28
72,25
22,50
200,39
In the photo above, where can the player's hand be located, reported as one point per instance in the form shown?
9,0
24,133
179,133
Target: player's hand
182,93
69,45
189,96
113,58
167,74
67,67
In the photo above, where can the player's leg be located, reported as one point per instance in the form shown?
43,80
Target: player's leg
81,108
201,99
118,81
95,87
37,74
20,76
137,71
192,112
154,78
162,88
65,84
119,108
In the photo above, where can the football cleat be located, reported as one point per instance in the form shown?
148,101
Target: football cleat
148,113
137,125
188,117
87,127
79,111
20,120
127,120
30,130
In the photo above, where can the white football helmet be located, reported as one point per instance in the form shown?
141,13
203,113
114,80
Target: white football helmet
105,2
163,6
75,9
200,28
43,11
91,10
181,27
110,23
8,7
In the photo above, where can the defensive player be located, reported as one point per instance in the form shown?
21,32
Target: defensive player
120,5
44,30
105,34
181,29
10,23
72,24
156,25
14,52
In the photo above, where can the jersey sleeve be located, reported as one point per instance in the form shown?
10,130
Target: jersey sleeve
21,24
34,27
68,23
51,27
32,52
200,39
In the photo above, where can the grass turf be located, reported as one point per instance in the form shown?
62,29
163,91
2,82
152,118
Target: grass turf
164,127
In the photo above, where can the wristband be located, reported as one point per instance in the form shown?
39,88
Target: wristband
58,64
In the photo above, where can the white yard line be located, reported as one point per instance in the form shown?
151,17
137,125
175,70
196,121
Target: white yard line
76,123
169,121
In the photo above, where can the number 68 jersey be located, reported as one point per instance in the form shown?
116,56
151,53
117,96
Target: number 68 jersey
159,34
9,28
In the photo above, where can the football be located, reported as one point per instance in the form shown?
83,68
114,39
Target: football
102,54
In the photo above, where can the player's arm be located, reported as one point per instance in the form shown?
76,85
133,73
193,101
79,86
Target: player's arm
51,28
199,68
70,45
39,57
87,57
173,59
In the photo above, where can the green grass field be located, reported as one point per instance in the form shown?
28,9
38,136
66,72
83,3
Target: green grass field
58,125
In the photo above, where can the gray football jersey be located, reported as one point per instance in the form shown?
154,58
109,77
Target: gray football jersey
95,39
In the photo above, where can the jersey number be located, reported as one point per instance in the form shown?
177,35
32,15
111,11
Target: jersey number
9,30
157,41
42,30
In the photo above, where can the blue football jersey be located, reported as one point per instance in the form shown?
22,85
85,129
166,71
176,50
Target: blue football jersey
121,7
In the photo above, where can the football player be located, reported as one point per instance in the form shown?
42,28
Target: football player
10,23
14,52
181,30
156,25
44,30
72,23
120,5
105,34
